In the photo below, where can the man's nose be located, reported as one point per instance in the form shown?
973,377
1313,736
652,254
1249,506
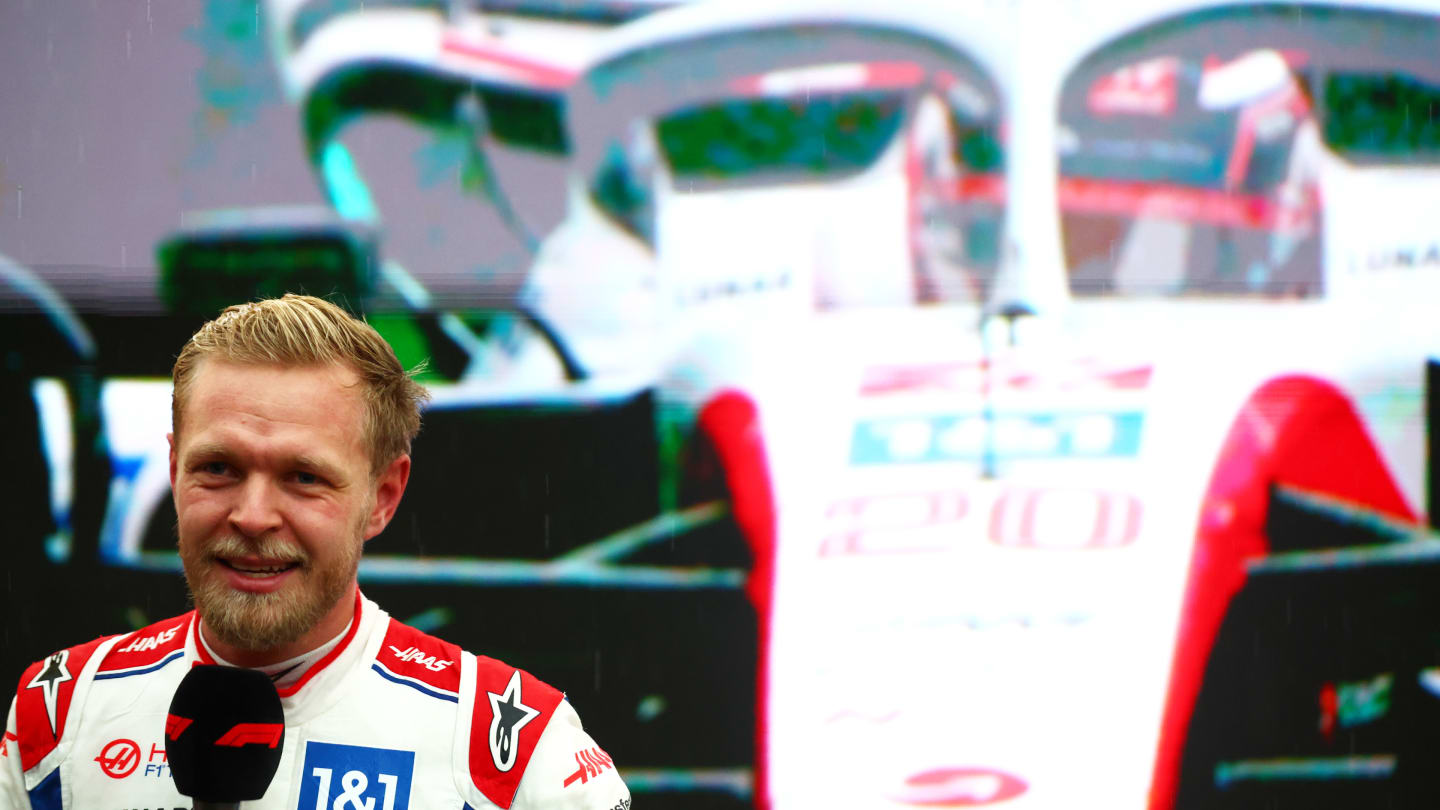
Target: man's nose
257,510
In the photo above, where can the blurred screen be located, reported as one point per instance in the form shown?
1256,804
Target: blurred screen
890,406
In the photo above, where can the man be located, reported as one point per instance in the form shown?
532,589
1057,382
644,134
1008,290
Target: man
292,424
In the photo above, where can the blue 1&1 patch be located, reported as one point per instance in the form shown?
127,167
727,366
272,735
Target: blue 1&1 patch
1009,436
354,777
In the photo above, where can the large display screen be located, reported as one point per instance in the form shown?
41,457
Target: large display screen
881,405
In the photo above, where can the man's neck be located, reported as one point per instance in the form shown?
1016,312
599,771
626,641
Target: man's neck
330,625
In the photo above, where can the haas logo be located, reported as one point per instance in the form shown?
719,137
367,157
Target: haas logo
591,761
418,655
119,759
150,642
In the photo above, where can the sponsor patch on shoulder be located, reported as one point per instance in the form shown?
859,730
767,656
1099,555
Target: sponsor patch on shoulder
591,762
510,713
52,673
43,700
420,661
146,649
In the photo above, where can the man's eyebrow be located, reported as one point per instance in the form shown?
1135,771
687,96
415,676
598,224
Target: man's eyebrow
211,450
206,450
317,464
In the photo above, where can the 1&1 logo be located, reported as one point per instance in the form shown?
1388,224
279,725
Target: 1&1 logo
354,777
119,759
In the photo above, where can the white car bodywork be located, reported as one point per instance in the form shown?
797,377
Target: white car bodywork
983,535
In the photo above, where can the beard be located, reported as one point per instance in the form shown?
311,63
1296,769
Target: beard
260,621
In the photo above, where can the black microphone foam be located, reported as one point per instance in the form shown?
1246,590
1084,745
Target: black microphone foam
225,734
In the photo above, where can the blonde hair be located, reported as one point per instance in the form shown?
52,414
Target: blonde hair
300,330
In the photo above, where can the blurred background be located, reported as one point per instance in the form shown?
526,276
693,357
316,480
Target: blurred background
851,404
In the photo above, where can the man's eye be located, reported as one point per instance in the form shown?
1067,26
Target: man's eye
307,478
214,468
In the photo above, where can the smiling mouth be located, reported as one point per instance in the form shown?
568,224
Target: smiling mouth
258,569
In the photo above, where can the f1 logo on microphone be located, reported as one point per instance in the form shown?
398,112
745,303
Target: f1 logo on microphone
243,734
175,725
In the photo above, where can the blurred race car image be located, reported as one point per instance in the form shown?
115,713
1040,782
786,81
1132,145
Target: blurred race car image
1022,536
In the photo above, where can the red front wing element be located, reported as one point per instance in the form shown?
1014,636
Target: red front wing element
1299,431
731,423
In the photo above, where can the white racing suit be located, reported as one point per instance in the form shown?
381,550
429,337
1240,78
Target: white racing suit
390,719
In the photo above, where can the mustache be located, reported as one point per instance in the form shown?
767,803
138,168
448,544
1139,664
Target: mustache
267,547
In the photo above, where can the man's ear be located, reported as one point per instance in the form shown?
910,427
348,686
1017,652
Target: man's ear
389,486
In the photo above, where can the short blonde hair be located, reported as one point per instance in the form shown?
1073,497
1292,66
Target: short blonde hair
301,330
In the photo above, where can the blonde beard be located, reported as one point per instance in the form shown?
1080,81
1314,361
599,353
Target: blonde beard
260,621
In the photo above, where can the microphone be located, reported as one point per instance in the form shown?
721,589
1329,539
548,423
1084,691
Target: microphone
224,736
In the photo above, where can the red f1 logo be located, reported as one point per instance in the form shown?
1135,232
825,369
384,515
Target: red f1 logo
252,734
175,725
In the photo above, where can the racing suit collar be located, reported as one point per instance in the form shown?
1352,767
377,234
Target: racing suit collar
284,674
318,687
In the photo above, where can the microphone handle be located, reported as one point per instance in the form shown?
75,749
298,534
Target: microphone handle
204,805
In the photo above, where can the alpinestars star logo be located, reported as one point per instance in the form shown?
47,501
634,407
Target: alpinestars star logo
508,716
49,679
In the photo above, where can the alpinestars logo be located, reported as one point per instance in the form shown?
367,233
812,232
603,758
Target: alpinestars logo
508,716
49,679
